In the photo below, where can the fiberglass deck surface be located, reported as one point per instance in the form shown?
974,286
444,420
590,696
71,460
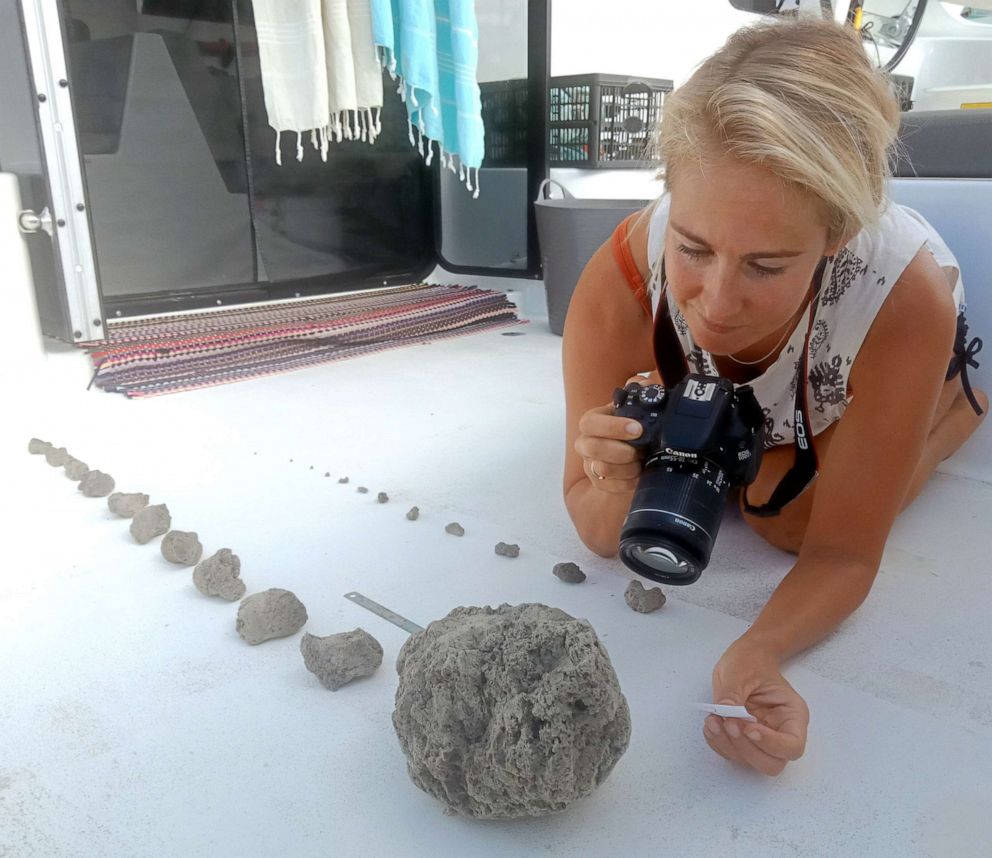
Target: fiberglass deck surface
135,722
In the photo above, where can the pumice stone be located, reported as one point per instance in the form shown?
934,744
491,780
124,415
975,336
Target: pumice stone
641,600
76,470
182,547
56,457
338,659
218,575
505,550
270,614
509,712
96,484
38,447
149,522
126,504
570,573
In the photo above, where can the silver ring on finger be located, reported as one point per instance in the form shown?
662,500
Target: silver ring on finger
595,473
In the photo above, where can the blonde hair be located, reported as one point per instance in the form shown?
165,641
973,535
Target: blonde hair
799,98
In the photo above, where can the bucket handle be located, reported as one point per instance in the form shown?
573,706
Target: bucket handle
543,192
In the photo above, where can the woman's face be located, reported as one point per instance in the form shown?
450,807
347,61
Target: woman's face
740,251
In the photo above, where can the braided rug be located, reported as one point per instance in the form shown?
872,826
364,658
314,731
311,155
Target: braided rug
152,356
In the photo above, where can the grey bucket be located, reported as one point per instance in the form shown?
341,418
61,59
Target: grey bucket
570,231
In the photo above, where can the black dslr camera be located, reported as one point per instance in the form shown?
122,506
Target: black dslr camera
699,438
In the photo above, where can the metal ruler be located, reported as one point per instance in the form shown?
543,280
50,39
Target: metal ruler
381,610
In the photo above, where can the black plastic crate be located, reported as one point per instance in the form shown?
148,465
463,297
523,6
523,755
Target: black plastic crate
504,115
601,121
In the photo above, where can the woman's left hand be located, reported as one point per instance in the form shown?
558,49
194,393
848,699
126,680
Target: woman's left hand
750,677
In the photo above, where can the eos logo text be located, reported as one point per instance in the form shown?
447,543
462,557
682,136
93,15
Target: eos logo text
801,439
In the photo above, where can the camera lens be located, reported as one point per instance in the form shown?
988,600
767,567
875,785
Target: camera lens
673,521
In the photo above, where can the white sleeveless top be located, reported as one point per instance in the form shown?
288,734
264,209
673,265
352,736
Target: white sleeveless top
856,283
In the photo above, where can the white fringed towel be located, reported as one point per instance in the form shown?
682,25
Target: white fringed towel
320,71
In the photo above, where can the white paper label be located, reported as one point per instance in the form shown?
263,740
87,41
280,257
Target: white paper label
725,711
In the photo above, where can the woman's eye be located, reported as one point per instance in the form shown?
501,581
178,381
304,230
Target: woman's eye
691,252
762,271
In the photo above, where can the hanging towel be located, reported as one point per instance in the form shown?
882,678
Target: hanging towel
294,78
320,70
432,48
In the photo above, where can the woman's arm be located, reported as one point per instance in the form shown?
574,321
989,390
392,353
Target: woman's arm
607,339
895,381
871,459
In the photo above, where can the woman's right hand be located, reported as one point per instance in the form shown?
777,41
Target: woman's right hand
611,464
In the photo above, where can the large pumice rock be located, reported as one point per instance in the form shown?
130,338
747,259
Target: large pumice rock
96,484
270,614
150,522
641,600
338,659
509,712
126,504
182,547
218,576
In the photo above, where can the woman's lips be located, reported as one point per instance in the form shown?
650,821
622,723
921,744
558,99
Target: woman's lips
716,328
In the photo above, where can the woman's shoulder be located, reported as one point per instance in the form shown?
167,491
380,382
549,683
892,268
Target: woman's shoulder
895,239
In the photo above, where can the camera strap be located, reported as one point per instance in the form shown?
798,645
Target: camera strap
672,367
668,354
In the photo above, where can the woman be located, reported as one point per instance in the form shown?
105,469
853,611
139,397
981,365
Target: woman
776,152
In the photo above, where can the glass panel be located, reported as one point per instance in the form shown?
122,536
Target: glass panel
491,231
158,110
365,212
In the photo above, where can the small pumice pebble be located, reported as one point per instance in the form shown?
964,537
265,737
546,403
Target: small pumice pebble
57,457
505,550
182,547
96,484
126,504
570,573
149,522
382,497
414,513
38,447
362,490
344,480
338,659
76,470
641,600
270,614
455,529
219,575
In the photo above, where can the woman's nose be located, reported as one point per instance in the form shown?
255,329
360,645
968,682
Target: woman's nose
721,296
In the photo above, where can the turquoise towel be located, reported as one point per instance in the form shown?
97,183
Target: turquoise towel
432,48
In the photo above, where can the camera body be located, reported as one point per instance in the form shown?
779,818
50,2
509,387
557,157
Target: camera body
699,438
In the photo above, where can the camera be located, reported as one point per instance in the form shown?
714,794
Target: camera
699,438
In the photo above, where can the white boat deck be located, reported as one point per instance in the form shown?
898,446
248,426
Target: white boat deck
135,722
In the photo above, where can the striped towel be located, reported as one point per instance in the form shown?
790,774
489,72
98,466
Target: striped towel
432,47
320,70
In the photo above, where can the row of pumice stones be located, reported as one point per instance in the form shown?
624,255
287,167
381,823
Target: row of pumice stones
275,613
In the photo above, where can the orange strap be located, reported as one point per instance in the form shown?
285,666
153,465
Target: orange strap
625,259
